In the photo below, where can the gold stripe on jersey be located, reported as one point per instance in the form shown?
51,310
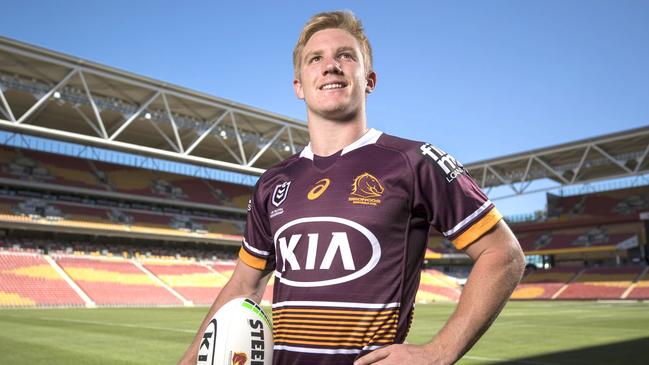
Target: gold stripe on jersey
478,229
335,328
251,260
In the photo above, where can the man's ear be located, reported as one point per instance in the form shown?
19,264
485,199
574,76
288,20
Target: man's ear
371,82
297,86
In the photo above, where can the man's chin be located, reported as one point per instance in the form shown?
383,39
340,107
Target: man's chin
339,115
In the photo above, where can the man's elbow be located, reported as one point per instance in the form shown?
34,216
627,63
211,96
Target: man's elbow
516,265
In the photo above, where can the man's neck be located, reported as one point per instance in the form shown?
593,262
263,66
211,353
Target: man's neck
328,137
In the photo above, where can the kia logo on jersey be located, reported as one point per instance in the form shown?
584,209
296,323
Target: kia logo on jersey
280,193
323,251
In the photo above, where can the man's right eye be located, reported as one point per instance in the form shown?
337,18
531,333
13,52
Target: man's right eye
315,59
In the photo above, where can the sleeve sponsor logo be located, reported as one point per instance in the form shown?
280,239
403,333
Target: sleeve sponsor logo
366,190
318,189
451,167
280,193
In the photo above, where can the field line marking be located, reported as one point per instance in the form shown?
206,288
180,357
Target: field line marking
491,359
108,324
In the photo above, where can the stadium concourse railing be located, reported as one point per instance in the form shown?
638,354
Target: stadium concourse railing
31,279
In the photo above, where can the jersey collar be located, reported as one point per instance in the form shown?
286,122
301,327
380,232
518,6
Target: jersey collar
370,137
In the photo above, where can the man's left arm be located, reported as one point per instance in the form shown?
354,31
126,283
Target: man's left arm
498,267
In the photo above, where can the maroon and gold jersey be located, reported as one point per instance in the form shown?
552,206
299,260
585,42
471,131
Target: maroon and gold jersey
346,236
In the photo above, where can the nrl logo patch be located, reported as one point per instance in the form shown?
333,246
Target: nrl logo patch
366,190
280,193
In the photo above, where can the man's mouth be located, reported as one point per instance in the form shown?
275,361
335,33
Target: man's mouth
333,85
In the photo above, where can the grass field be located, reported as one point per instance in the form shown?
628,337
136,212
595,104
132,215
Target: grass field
534,333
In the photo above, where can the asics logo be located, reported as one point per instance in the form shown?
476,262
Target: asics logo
318,189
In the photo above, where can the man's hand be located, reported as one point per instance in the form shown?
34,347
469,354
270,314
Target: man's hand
402,354
245,281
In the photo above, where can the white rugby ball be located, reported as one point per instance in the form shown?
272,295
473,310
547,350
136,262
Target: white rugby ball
240,333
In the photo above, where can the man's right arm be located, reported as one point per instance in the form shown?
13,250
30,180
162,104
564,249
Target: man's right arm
246,282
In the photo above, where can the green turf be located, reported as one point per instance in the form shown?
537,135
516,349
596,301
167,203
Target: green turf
533,333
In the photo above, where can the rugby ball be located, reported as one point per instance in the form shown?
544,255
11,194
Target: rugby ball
240,333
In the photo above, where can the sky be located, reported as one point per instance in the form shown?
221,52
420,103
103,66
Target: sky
480,79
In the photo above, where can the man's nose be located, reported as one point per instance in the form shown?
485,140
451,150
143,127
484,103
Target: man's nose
332,66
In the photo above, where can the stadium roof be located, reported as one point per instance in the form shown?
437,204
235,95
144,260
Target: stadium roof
616,155
54,95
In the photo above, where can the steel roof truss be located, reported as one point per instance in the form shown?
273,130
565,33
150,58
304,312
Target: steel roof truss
577,170
290,140
46,97
94,106
227,148
239,142
2,110
89,122
279,157
164,136
7,110
611,158
134,116
484,177
527,170
641,159
179,143
263,149
206,132
506,182
553,171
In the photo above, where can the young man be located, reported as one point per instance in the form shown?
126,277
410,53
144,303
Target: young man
344,225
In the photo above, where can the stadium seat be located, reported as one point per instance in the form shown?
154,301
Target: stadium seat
28,280
601,283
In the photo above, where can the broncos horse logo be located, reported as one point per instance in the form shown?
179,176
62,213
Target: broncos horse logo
367,186
239,358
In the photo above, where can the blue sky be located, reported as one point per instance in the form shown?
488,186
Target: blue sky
478,79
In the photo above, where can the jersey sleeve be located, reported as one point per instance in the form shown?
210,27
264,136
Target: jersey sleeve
452,201
257,249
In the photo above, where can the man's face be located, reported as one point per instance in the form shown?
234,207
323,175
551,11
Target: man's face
333,80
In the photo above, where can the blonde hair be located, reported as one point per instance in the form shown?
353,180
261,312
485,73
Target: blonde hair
344,20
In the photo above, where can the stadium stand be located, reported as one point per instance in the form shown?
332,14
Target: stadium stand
640,288
156,208
436,286
27,279
622,202
544,284
115,282
601,283
61,170
64,170
195,282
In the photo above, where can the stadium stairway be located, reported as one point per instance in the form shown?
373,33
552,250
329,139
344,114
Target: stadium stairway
160,282
544,284
640,287
199,283
116,282
27,279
